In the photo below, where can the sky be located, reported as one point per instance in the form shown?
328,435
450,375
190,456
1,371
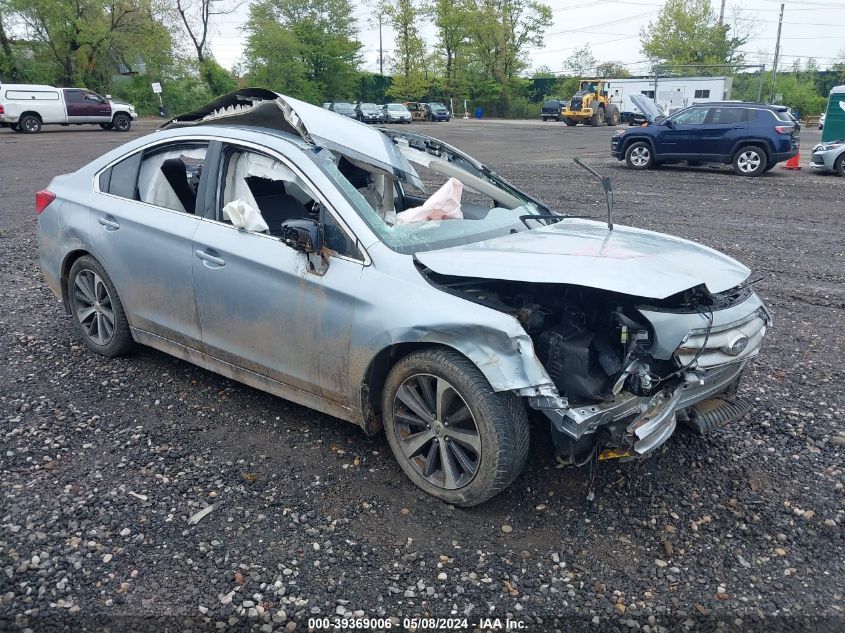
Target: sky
612,28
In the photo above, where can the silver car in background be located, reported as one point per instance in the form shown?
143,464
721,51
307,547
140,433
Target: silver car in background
263,238
396,113
829,156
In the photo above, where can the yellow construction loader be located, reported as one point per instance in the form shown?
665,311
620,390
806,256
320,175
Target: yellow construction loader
591,105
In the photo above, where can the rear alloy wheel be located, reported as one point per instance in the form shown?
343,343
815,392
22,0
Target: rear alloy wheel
452,435
749,161
97,310
29,124
122,122
639,155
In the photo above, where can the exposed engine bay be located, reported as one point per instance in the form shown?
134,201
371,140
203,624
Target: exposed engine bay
620,384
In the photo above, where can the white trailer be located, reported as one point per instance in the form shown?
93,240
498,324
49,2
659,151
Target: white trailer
673,93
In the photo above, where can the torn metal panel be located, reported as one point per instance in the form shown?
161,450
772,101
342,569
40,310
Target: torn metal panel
258,107
585,253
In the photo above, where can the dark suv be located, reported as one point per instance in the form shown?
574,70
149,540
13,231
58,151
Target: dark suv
752,137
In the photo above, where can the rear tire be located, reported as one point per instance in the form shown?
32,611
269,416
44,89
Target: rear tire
639,155
121,122
106,126
29,124
749,160
97,310
544,119
470,444
839,165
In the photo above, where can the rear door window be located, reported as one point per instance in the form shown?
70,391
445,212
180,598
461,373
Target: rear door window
166,177
726,116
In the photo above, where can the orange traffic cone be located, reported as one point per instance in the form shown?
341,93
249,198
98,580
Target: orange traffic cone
795,161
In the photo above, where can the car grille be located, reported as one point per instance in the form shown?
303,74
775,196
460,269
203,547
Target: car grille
718,350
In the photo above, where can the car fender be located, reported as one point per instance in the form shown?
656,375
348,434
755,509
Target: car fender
639,137
761,142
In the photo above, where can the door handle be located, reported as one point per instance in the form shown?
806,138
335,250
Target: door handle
109,224
210,259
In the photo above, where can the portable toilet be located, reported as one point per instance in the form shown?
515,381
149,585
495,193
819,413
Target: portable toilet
834,122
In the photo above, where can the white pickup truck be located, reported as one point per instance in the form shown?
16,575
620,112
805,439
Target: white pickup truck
25,108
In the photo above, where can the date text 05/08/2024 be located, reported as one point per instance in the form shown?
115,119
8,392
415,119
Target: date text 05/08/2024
415,624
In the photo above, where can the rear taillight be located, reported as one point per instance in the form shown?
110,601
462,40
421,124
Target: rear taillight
784,129
43,199
2,111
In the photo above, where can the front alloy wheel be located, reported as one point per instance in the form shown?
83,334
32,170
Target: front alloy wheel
453,436
639,156
436,431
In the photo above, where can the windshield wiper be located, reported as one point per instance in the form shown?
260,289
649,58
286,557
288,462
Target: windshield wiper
550,216
606,185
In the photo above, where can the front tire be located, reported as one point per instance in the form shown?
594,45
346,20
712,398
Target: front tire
121,122
598,118
570,122
613,116
97,310
749,161
639,155
452,435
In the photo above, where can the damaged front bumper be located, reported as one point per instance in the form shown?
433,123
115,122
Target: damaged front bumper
637,425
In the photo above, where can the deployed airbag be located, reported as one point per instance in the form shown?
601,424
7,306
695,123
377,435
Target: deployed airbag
244,216
443,204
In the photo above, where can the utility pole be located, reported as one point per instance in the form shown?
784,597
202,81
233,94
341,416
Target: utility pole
380,49
722,14
777,54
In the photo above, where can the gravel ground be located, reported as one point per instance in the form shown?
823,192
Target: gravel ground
104,461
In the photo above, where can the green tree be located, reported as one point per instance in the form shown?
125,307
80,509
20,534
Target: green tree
87,41
453,21
581,62
688,32
612,69
307,48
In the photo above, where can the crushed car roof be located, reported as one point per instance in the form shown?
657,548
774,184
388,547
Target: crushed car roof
259,107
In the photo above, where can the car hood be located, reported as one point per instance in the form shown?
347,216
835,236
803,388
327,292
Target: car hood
260,107
580,252
649,108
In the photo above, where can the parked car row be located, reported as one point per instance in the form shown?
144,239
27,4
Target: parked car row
26,108
390,112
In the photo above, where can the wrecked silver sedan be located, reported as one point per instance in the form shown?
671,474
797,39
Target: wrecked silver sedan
390,280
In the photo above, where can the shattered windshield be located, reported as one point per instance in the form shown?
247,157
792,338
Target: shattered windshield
458,204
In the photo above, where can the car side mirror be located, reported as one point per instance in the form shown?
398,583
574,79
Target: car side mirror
669,123
304,235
